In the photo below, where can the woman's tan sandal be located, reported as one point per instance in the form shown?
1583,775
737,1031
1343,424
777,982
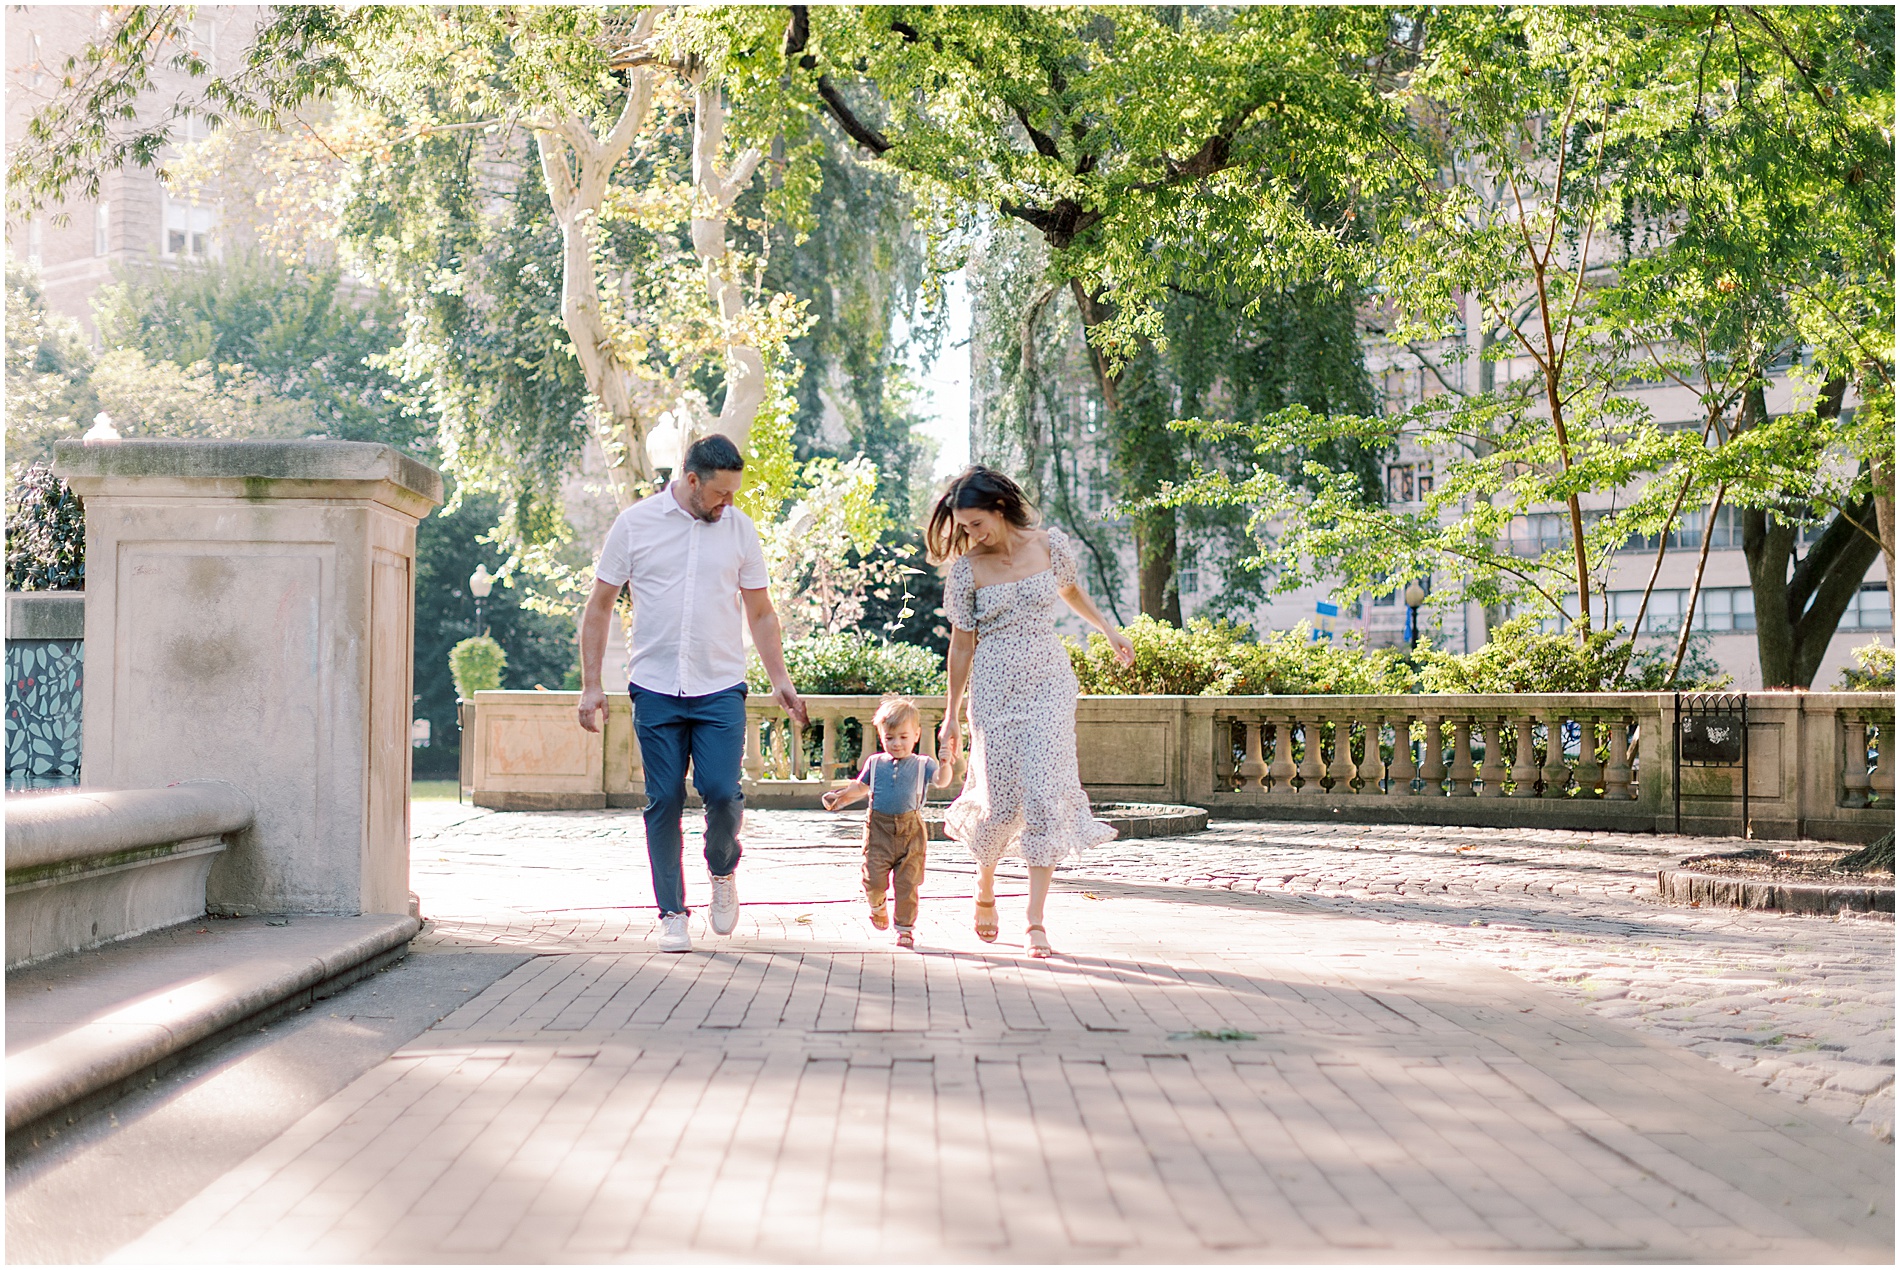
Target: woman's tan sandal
986,930
881,917
906,940
1039,947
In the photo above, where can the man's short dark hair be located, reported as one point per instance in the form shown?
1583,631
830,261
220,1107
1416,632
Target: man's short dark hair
712,453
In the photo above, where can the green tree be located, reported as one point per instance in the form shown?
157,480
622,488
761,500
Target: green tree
48,362
297,330
1144,145
1610,196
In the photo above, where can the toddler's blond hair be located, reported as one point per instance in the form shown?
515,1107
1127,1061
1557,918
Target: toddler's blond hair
896,711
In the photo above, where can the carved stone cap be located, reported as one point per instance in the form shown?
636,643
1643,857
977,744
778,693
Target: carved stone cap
254,470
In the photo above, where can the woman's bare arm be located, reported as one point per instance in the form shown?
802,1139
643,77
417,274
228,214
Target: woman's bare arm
1076,598
957,671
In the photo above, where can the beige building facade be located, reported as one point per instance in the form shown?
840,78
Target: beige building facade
137,218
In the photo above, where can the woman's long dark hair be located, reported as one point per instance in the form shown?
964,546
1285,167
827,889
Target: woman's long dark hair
976,487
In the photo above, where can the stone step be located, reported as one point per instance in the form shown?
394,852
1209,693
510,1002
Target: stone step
85,1028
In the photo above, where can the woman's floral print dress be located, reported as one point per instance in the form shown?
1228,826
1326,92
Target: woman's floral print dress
1022,795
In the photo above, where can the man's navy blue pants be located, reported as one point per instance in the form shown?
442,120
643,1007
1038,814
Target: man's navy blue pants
709,729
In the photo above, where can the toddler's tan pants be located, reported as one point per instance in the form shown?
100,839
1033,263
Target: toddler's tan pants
894,857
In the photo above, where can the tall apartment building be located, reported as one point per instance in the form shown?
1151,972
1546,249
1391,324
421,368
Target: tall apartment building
1071,404
137,218
1725,609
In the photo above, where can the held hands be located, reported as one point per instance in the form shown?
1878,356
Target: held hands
949,741
1124,651
593,705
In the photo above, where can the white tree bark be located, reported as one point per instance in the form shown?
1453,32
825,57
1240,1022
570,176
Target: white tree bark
576,166
716,191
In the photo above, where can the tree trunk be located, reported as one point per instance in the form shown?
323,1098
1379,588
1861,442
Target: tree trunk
1799,601
1883,516
1156,545
716,191
576,166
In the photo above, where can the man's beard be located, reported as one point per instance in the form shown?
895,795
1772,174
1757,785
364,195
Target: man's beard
697,506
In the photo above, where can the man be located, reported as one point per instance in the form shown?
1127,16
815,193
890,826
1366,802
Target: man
694,566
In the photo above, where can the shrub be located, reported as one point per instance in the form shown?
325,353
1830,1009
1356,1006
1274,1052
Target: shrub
1197,660
1222,658
854,662
46,533
1290,662
476,665
1208,658
1873,671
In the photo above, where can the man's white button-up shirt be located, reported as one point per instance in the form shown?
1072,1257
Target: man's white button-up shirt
685,575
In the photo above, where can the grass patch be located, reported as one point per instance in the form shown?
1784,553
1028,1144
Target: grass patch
433,791
1202,1034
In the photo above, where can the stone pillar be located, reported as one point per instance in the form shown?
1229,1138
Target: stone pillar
250,614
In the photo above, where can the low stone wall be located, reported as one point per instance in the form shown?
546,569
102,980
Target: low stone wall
1430,759
88,868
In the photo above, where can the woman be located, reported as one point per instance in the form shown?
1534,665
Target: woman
1022,795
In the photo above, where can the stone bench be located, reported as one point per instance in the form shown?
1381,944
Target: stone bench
92,866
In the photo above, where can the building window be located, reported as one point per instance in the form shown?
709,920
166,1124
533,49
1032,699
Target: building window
1187,569
1407,482
101,222
36,64
34,234
1535,534
1728,608
188,230
201,36
1868,610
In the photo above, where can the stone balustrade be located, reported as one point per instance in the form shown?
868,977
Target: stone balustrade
1819,765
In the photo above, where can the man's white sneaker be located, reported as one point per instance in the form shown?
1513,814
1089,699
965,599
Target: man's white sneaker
673,934
725,904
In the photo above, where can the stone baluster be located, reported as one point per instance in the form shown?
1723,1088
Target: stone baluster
828,752
1882,777
1342,769
1253,767
1854,773
1616,776
1589,766
1524,764
1281,771
1399,773
1462,772
754,755
1312,763
1492,773
1555,772
1432,774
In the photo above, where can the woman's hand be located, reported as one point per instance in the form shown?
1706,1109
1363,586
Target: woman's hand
1124,651
949,740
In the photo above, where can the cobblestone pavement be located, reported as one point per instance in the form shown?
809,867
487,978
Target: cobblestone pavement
1802,1004
1209,1072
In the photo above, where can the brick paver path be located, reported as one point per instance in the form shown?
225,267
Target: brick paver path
804,1091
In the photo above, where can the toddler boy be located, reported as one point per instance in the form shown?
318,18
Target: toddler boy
894,828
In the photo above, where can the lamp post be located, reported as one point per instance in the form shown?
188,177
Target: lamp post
1414,596
480,583
665,442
